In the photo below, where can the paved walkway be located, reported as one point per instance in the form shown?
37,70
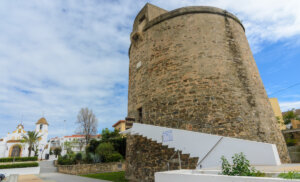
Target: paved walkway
48,173
47,167
280,168
29,178
58,177
55,177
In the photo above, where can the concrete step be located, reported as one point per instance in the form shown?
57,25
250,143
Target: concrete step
11,178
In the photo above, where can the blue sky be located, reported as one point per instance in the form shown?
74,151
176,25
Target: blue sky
61,55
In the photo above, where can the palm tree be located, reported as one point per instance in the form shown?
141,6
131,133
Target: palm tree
31,138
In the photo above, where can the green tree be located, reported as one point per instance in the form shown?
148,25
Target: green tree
107,153
107,134
31,139
118,141
92,146
289,116
104,149
57,151
68,146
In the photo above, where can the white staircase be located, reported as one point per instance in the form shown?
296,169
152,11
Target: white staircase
208,148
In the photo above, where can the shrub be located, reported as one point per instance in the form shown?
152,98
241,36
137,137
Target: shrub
240,167
291,142
78,157
92,158
119,144
66,160
290,175
57,151
19,165
92,146
104,149
89,158
118,141
114,157
18,159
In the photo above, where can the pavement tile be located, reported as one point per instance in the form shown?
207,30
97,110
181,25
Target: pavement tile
29,178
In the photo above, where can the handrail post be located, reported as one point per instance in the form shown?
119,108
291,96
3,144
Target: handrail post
179,160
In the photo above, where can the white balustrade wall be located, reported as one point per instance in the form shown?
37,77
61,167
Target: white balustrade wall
208,148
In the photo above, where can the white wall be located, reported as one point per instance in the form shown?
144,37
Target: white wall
200,144
189,176
2,150
20,171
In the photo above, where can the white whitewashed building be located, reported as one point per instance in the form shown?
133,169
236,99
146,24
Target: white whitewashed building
12,146
76,143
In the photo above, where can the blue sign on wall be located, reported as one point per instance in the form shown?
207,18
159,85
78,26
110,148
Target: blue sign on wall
167,136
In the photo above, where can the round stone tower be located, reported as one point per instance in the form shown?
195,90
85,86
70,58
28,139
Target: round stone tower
192,68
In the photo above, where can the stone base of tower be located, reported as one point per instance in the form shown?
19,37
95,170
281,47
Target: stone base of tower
145,157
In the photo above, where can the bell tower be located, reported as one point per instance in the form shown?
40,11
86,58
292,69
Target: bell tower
42,129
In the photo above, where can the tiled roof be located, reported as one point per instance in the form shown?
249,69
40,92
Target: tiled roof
74,136
117,123
42,121
82,136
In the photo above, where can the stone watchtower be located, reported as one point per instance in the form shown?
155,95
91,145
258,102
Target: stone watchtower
192,68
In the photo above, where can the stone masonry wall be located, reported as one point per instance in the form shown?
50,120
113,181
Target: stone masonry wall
145,157
192,68
81,169
196,72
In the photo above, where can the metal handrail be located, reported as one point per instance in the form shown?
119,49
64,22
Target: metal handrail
199,164
179,160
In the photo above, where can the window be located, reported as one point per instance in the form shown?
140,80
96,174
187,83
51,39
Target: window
41,126
142,19
140,114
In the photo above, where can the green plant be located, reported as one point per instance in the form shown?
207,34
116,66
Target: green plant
92,158
92,146
18,159
107,134
291,142
107,153
104,149
19,165
289,116
113,176
57,151
78,157
118,142
241,166
31,139
66,160
114,157
290,175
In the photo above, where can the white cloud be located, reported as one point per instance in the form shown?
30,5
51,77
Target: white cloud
289,105
59,56
267,20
